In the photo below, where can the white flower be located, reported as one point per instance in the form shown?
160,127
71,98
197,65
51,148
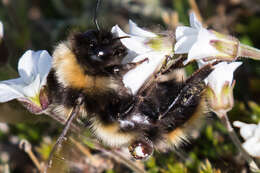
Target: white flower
33,68
1,30
142,44
251,135
201,43
220,86
222,74
4,128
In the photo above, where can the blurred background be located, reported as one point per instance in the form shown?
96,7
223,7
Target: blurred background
42,24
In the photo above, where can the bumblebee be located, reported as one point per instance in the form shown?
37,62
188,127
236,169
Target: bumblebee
88,67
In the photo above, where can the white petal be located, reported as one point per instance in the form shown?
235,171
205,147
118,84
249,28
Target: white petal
8,93
116,29
233,66
33,88
182,31
184,44
194,22
135,78
257,132
201,63
133,43
252,146
246,130
17,81
222,73
137,31
17,84
129,57
27,66
44,63
239,124
202,47
1,30
119,32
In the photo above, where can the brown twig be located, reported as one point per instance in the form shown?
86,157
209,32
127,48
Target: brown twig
26,146
82,148
171,19
118,156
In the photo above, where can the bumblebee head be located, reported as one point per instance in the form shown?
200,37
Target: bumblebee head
96,50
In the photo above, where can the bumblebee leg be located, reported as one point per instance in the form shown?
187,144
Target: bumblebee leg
190,93
171,63
72,115
124,68
171,69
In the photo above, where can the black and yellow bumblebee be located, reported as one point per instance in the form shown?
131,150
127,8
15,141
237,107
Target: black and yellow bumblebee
86,80
162,113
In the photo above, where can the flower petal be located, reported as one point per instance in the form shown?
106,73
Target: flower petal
135,78
1,30
246,130
182,31
27,66
44,63
194,22
184,44
133,43
33,89
202,47
116,30
8,93
137,31
222,73
252,146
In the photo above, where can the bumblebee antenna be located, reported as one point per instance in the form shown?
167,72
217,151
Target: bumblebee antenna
95,15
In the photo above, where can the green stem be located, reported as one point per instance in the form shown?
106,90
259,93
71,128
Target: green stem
248,52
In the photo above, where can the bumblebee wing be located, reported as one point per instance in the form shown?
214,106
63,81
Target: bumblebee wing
188,109
75,155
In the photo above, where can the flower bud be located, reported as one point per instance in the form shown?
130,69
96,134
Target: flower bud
220,86
222,101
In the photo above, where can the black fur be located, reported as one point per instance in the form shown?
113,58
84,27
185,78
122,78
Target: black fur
97,50
57,94
109,106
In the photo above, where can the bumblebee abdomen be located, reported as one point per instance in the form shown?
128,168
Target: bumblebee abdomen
192,124
110,134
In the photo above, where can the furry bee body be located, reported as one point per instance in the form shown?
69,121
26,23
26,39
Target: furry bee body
103,90
90,64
